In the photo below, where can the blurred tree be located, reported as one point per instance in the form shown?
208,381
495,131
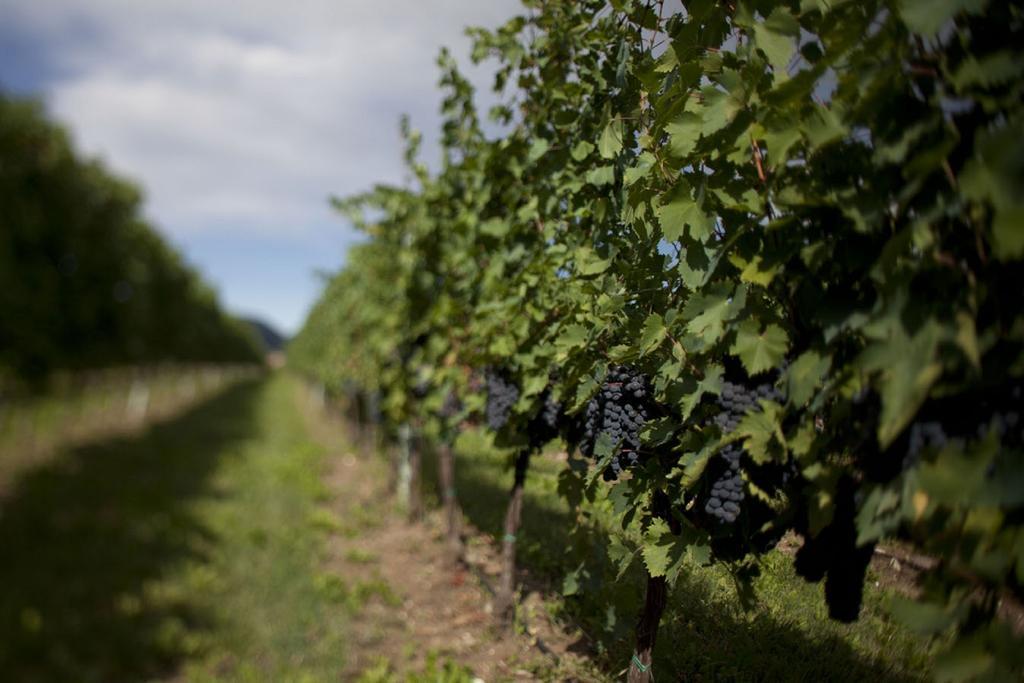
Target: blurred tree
84,281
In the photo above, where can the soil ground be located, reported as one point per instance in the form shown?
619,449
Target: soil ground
437,607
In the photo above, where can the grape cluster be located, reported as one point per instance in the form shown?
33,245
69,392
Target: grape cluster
929,434
1004,424
833,554
502,395
551,413
545,424
451,406
925,434
962,423
1002,416
727,490
735,400
619,409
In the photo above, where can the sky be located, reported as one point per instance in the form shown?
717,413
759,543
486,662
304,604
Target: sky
240,119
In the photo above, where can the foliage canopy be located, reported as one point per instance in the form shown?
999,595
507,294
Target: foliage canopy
824,195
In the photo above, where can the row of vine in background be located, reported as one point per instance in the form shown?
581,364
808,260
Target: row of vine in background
85,281
758,263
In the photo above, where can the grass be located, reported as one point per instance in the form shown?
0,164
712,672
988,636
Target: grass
434,671
706,635
191,550
101,404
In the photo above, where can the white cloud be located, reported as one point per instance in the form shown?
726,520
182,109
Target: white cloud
248,115
240,119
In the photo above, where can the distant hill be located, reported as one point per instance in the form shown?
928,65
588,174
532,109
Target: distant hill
271,339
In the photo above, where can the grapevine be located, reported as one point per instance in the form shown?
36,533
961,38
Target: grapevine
772,278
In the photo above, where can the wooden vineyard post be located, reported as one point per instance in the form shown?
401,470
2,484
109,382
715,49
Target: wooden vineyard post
394,456
415,451
647,629
357,417
446,472
368,420
503,600
402,469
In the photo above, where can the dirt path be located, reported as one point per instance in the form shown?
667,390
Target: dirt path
426,606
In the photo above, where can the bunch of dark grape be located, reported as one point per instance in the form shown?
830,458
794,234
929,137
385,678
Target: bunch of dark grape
452,406
619,409
727,490
726,496
923,435
958,421
1005,425
502,395
1002,416
833,554
545,424
551,413
736,400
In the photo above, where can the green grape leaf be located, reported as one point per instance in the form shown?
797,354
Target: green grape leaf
495,227
908,366
928,16
571,582
693,465
804,376
653,333
924,618
990,70
573,336
719,110
658,548
758,349
620,555
710,383
538,149
581,150
678,211
776,37
602,175
589,263
708,311
610,143
683,134
755,273
758,429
